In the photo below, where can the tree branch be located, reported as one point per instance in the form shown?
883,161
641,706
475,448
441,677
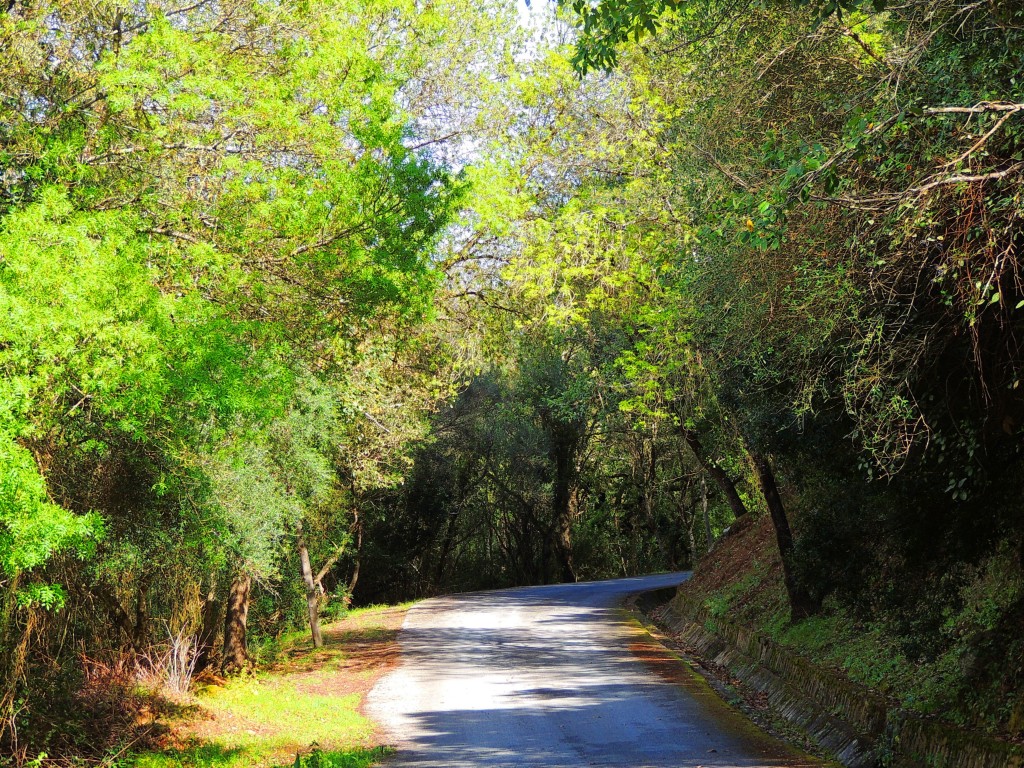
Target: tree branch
167,232
977,109
964,179
339,552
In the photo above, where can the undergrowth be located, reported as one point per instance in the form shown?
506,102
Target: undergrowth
957,676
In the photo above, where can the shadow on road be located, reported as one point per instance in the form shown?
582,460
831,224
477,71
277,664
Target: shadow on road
544,677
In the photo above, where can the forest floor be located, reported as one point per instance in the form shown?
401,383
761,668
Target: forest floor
305,703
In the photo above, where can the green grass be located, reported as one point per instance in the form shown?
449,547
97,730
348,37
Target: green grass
214,756
959,669
296,708
868,653
276,649
356,613
719,603
287,712
269,718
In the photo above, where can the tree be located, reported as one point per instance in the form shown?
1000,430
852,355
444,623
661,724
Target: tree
203,208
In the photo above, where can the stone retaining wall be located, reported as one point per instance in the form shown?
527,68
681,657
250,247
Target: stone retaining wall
851,721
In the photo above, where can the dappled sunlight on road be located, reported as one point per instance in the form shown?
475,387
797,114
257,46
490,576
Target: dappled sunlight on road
544,676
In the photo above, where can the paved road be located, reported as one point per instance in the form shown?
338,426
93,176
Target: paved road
554,676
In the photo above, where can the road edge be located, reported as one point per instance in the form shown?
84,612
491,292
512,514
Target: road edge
742,700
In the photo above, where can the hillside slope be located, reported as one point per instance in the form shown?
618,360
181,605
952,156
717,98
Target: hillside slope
964,682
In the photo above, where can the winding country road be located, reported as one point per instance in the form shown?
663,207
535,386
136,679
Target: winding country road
555,676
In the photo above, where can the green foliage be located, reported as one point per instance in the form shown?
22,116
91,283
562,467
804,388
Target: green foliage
719,604
472,319
990,590
218,239
32,529
606,25
803,221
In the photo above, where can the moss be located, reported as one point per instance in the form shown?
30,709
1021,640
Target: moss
720,601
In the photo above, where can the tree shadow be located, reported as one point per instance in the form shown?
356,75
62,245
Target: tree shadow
349,648
566,684
212,755
99,711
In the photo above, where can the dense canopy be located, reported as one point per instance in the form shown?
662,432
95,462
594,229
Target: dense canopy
319,301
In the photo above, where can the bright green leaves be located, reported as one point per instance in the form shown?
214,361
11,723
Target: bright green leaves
218,235
96,363
279,135
201,201
32,528
80,318
86,334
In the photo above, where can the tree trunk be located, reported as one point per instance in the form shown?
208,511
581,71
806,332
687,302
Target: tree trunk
563,532
564,445
318,580
709,539
801,605
118,615
208,632
312,604
448,538
645,458
686,518
236,654
719,475
357,526
141,629
689,523
11,660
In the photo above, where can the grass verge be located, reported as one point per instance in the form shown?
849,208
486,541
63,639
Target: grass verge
305,708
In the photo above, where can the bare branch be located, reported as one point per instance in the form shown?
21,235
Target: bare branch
965,179
721,168
864,46
977,109
437,140
330,563
179,146
981,142
329,240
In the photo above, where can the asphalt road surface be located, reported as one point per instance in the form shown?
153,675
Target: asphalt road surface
555,676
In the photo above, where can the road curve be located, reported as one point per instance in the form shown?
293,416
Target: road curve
545,676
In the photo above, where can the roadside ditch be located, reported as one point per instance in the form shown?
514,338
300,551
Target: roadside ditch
807,705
